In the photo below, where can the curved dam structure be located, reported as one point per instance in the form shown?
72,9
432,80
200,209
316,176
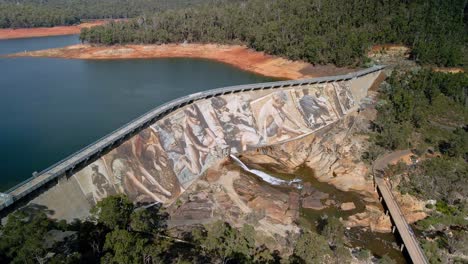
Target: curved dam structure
157,156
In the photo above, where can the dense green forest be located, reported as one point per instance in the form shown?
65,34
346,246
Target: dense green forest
39,13
21,16
338,31
119,232
428,112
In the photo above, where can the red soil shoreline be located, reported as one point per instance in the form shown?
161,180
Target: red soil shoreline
9,33
235,55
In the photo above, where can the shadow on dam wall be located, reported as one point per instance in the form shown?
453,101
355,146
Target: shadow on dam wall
157,163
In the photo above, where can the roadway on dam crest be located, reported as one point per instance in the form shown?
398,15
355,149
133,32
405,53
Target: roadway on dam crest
156,157
360,82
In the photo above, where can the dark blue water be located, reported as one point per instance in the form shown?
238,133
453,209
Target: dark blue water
50,108
28,44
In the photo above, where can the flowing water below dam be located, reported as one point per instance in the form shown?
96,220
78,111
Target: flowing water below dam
379,244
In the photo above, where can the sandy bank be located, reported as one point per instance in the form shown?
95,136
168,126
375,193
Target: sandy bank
238,56
9,33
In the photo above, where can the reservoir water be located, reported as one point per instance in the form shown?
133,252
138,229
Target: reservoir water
9,46
50,108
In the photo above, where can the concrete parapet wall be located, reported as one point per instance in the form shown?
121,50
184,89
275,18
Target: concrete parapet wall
157,156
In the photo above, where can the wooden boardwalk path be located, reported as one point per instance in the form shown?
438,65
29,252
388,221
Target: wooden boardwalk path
409,239
406,232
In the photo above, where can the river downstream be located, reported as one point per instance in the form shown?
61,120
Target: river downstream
328,198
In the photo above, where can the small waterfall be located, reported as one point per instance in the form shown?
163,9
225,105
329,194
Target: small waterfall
265,176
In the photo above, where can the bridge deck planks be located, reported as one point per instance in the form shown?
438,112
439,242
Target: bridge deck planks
409,239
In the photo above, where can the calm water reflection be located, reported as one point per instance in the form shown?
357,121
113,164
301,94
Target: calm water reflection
50,108
27,44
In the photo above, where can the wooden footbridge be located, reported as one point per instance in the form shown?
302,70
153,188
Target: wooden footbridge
409,239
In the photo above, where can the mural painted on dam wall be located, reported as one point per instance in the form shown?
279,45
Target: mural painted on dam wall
161,161
343,92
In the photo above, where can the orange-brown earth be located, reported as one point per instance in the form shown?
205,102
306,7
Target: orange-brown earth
9,33
449,70
236,55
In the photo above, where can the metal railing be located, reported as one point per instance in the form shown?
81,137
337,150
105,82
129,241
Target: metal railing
77,158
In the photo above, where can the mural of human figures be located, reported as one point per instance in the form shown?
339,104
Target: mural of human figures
277,117
344,95
190,142
316,106
139,168
95,182
232,121
161,161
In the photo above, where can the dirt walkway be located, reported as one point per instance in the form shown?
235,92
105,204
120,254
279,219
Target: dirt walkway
391,158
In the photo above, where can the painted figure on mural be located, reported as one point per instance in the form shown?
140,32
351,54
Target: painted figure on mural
199,140
272,118
344,95
236,121
171,137
140,143
315,108
103,187
137,183
155,162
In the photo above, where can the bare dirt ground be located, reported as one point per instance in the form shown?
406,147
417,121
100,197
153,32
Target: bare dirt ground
236,55
9,33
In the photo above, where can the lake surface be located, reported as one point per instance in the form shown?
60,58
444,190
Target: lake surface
51,108
9,46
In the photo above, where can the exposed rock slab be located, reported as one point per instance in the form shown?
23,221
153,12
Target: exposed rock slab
348,206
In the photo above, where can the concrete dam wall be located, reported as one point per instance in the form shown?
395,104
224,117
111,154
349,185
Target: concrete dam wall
157,156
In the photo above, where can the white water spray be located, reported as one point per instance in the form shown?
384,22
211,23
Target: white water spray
265,176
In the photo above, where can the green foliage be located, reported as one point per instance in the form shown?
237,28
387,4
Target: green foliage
113,212
333,231
24,16
150,220
126,247
386,260
426,102
38,13
305,253
445,209
363,254
23,236
431,251
124,234
338,31
227,243
443,179
372,153
428,110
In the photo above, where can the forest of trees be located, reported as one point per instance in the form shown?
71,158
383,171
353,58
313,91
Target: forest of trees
23,16
338,31
39,13
119,232
428,112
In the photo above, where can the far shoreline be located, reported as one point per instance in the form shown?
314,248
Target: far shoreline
236,55
19,33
